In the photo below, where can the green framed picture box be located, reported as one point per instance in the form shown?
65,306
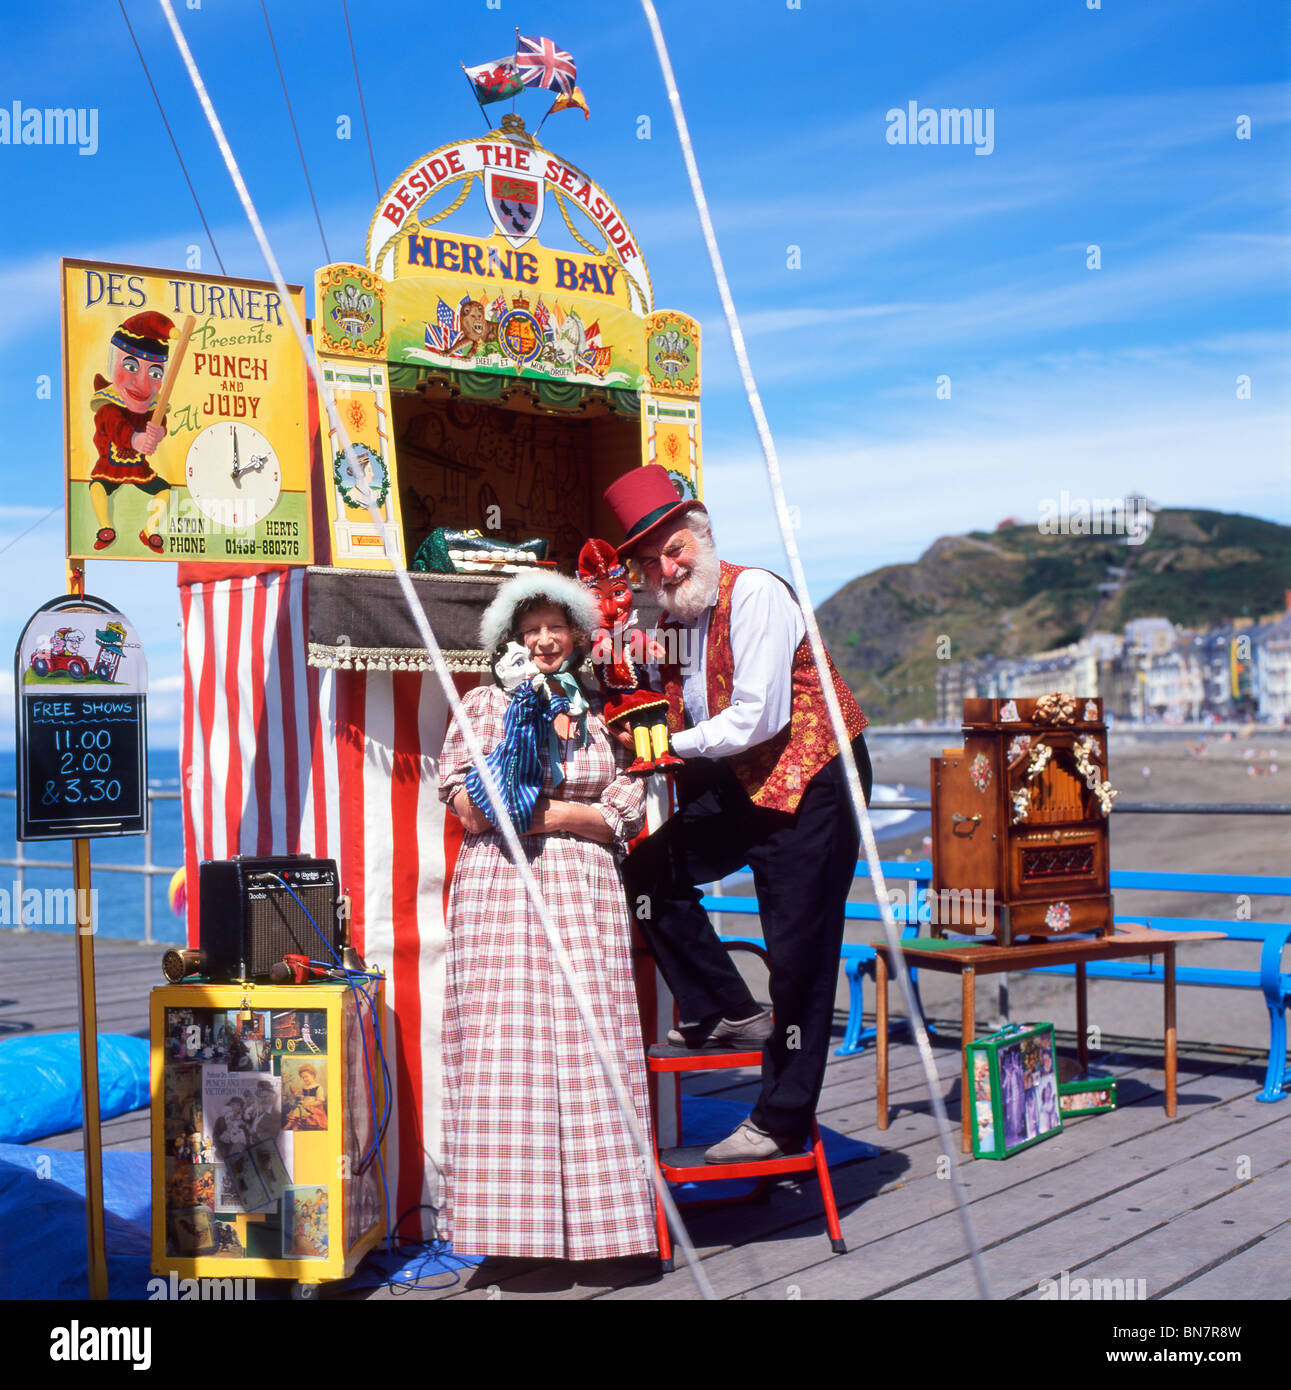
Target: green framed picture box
1015,1089
1091,1094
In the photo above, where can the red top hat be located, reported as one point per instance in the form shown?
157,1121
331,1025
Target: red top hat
643,500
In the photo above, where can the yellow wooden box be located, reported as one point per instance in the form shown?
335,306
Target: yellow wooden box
261,1115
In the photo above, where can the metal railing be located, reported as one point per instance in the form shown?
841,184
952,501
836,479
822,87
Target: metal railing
22,863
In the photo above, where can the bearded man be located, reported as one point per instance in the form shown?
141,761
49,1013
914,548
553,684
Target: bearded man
762,785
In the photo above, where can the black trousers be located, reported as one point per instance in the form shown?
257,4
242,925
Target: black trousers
803,865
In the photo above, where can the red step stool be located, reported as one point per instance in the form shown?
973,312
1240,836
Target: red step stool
686,1164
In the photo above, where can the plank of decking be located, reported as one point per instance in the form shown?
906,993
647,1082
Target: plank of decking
38,991
128,1132
1263,1265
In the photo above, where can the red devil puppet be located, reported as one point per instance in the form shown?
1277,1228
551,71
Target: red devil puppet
620,651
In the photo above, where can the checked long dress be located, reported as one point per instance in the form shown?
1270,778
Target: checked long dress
538,1161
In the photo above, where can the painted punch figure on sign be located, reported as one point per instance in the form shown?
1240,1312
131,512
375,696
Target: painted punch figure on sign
125,435
762,785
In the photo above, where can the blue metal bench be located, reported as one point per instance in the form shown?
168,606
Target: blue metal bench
1269,979
858,958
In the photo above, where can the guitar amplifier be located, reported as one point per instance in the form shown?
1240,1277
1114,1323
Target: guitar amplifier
254,911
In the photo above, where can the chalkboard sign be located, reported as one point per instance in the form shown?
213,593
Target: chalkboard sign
81,682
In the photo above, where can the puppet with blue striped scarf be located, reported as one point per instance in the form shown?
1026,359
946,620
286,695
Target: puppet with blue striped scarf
516,762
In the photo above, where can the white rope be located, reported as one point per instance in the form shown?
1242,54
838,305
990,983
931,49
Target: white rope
817,646
507,828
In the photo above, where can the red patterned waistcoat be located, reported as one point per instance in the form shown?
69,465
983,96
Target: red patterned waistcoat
775,773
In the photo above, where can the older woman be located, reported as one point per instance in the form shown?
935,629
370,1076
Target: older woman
539,1162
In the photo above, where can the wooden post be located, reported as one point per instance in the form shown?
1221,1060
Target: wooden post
968,1030
88,1022
881,1032
1170,1054
1082,1019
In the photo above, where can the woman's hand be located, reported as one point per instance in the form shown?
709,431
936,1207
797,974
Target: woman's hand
573,817
474,821
620,733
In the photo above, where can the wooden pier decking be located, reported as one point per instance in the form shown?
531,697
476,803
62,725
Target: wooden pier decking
1196,1207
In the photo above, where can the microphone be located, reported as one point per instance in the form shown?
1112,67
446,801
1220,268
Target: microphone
296,970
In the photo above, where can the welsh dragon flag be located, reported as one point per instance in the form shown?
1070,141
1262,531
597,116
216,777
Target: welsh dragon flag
495,81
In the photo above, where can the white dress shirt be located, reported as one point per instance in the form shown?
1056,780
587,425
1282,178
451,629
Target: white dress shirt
766,629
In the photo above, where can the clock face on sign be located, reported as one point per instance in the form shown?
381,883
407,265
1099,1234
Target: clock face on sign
233,474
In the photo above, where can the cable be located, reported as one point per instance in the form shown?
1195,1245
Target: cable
379,1125
292,118
166,123
362,109
430,644
817,645
8,545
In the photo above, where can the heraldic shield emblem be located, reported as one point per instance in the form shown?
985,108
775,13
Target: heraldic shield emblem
515,203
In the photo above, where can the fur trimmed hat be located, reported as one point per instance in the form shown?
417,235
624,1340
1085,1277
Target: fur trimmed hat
566,593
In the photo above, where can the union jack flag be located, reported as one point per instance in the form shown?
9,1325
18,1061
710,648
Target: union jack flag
542,64
543,317
498,307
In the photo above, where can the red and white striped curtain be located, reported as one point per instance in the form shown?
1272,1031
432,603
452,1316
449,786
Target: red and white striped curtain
281,757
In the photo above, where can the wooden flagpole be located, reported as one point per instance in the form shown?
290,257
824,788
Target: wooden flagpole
87,1021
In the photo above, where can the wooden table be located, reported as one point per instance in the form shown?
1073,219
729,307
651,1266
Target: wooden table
969,961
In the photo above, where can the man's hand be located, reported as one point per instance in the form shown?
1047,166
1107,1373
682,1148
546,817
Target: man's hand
474,821
144,441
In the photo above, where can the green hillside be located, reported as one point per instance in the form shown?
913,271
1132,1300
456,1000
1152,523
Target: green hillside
1016,591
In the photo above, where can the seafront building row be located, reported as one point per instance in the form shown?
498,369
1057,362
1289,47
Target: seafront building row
1153,670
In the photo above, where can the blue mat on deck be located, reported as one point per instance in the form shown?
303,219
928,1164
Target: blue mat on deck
42,1223
40,1082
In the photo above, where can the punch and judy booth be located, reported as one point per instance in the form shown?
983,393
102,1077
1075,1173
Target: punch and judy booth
497,360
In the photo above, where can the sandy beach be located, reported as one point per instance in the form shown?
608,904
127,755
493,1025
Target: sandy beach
1158,766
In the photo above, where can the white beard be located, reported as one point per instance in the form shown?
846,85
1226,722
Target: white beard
698,591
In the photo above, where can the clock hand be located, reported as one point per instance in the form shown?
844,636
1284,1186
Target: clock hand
236,469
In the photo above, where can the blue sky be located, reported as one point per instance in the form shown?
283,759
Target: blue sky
1115,127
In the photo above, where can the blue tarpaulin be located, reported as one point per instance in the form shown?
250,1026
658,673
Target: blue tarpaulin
40,1082
43,1240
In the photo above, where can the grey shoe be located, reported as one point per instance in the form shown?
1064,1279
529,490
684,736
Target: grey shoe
725,1036
748,1144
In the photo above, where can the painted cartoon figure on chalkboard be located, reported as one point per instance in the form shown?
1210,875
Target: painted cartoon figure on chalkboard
125,435
61,653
